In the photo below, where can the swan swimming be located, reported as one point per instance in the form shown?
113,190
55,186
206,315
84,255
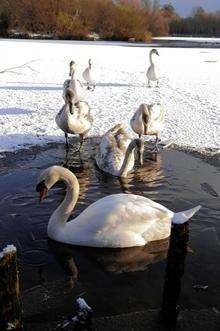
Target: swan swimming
74,118
153,71
88,77
118,220
116,152
148,120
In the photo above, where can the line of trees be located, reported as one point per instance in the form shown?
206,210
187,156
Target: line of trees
110,19
75,19
199,23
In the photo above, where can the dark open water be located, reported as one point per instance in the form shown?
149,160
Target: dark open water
114,281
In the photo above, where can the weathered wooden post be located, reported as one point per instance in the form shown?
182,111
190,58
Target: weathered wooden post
174,271
10,300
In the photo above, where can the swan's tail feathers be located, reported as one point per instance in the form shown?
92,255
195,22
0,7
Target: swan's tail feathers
184,216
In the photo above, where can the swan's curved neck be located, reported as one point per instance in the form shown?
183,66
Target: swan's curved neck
124,168
151,58
60,216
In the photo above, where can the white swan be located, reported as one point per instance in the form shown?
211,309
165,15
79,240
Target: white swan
74,118
118,220
153,71
74,85
88,77
116,152
148,120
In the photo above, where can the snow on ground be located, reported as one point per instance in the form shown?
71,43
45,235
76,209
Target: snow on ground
189,90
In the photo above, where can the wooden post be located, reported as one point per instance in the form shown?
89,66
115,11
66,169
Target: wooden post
174,271
10,300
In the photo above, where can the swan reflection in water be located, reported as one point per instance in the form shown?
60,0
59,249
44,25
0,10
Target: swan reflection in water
127,260
115,260
149,178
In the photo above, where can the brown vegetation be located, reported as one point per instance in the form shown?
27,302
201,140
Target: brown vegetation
115,20
75,19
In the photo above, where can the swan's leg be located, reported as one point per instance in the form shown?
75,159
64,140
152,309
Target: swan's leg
156,144
149,83
139,136
157,83
67,143
81,136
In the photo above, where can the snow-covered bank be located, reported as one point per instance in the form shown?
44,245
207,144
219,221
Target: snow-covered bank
191,39
30,99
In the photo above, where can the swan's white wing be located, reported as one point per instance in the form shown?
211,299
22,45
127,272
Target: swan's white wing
119,220
87,76
137,122
156,122
111,153
153,73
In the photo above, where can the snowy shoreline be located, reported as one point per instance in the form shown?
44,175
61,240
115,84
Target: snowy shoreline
30,99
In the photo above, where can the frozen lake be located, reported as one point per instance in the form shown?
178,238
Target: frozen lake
32,96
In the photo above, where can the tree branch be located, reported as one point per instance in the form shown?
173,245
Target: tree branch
25,65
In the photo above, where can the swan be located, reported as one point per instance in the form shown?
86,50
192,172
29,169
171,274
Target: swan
74,118
148,120
116,152
73,84
118,220
88,77
153,72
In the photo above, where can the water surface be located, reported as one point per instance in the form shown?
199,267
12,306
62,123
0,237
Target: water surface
122,280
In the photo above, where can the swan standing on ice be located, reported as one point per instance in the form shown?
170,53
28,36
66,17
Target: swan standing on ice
74,117
88,77
116,152
153,71
148,120
118,220
73,84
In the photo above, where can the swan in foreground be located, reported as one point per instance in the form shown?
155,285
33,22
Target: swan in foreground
153,71
74,118
148,120
116,152
118,220
73,84
88,77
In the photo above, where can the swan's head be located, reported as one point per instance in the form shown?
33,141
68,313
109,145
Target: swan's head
154,51
47,179
90,62
72,68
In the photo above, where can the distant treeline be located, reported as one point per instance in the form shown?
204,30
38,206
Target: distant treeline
199,23
108,19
